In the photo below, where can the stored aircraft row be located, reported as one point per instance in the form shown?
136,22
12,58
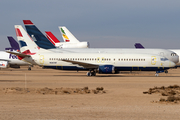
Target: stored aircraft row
43,53
37,49
10,60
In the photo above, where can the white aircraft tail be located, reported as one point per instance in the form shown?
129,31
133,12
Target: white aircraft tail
67,35
27,45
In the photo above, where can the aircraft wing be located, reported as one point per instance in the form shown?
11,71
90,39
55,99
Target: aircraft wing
18,54
85,65
4,60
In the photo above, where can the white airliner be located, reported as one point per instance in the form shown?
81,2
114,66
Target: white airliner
43,42
94,62
10,60
68,43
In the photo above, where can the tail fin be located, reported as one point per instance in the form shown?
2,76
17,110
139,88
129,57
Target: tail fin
27,45
51,37
67,35
138,46
41,40
13,43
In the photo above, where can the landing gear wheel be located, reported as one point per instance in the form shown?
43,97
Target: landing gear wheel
89,74
29,68
156,74
166,71
93,73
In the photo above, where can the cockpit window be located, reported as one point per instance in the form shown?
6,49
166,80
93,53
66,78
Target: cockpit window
164,59
173,54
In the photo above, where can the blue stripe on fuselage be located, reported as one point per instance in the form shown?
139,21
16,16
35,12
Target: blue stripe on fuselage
116,68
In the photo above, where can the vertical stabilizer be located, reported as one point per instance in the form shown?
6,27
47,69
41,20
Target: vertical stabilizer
67,35
27,45
138,46
40,39
51,37
13,43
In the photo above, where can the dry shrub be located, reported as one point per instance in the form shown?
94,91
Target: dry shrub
162,100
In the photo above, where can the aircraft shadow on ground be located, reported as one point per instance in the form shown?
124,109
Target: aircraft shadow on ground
11,80
115,76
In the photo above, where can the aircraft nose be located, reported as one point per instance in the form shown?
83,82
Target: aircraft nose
172,64
176,59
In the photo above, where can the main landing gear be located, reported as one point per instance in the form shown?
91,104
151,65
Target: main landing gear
29,68
91,73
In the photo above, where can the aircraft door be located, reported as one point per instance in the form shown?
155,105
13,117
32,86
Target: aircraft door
153,60
41,60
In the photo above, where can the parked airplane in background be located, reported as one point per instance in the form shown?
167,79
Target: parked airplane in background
10,60
177,51
138,45
69,37
67,43
94,62
13,43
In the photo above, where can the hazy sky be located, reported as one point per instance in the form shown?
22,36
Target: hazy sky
103,23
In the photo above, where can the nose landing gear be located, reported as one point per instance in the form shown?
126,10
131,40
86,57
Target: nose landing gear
160,72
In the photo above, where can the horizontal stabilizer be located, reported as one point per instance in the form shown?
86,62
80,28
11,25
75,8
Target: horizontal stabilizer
18,54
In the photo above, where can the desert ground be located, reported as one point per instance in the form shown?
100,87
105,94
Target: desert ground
46,94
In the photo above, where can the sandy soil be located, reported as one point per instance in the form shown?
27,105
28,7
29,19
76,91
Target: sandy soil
32,95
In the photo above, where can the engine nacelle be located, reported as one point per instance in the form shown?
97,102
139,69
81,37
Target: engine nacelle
106,69
14,66
3,64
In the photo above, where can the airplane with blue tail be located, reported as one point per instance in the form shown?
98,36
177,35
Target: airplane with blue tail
105,61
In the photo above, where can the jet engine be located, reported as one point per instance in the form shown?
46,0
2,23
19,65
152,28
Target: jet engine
3,64
106,69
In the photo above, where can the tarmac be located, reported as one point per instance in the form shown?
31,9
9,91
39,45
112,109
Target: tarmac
46,94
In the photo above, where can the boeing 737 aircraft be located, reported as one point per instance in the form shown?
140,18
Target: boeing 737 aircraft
67,43
94,62
43,42
10,60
